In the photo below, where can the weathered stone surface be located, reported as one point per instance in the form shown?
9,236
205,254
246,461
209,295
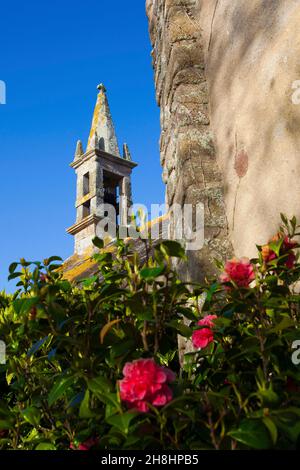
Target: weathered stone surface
102,134
81,265
227,77
252,51
188,157
101,175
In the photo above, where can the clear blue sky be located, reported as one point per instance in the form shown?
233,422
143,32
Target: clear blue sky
53,55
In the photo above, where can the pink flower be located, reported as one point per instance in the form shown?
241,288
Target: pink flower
291,385
208,320
86,445
286,249
203,337
290,262
289,244
145,382
240,271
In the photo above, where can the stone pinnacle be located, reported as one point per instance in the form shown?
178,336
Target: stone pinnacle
101,87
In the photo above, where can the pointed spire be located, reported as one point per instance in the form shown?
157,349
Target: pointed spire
79,150
102,135
126,153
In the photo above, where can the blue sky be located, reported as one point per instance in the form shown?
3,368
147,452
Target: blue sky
53,55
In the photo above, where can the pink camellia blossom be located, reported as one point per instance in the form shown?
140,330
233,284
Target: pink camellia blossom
86,445
286,249
43,277
289,244
203,337
240,271
290,262
145,382
291,385
208,320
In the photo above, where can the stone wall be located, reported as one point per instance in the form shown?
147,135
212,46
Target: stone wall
188,158
224,76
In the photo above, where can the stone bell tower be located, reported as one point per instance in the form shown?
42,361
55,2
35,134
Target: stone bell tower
103,177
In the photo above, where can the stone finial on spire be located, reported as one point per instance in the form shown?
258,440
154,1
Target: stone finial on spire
126,153
101,87
79,150
102,135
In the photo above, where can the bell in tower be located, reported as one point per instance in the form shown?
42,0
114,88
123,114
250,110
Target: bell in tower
103,178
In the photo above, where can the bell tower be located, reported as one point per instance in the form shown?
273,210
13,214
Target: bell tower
103,177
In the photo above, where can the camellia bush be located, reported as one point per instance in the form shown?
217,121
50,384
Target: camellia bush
96,366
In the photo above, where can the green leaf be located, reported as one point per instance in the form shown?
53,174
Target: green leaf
183,329
109,399
122,422
65,286
211,291
284,219
54,267
45,446
32,415
90,281
98,242
275,246
84,410
152,273
187,313
172,248
6,424
23,306
13,267
99,385
252,433
293,222
14,276
145,315
9,377
50,260
271,280
32,436
292,411
287,420
268,396
283,325
272,428
36,346
59,388
122,348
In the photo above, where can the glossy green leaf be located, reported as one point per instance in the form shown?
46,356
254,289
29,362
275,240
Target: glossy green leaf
32,415
100,385
59,388
152,273
98,242
45,446
253,434
23,306
172,248
38,345
84,410
13,267
122,421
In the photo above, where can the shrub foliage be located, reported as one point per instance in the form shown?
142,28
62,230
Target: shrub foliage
65,385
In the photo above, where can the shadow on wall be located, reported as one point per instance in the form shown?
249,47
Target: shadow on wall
252,62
